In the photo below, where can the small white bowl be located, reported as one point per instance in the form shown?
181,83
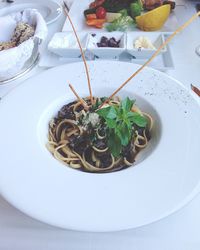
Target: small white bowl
106,52
155,37
65,44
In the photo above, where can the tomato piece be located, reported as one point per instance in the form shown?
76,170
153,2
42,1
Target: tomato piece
95,22
99,26
91,16
101,13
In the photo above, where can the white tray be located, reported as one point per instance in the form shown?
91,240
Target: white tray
162,62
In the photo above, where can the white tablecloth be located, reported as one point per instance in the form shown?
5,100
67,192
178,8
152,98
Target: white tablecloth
179,231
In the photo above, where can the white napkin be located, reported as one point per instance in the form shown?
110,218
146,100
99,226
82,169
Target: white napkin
13,60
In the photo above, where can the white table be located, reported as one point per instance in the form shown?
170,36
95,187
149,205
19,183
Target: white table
180,231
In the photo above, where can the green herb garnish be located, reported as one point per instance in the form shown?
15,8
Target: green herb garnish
98,102
119,121
122,23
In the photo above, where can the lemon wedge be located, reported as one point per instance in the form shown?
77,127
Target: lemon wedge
154,19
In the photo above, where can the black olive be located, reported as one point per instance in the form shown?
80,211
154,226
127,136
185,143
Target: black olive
126,150
66,112
113,43
103,45
79,144
100,144
105,160
104,40
140,131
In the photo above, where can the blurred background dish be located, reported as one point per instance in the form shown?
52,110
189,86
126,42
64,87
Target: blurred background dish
19,45
49,9
65,44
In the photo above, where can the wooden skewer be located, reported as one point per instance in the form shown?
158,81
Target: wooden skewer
82,54
182,27
196,90
78,97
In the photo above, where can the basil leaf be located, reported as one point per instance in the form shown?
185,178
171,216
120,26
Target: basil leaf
138,119
114,143
124,134
127,104
111,123
112,113
119,121
103,112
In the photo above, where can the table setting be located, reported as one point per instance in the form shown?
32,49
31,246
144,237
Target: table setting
105,104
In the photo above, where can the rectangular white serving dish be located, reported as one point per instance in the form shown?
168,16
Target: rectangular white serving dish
156,38
106,52
64,44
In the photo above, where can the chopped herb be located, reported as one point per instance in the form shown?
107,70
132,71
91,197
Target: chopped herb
119,121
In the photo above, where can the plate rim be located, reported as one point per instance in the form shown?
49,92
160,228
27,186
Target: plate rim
185,201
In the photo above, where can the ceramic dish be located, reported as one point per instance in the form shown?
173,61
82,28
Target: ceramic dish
164,178
156,38
65,44
49,9
106,52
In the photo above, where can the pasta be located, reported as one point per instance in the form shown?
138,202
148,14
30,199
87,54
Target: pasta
79,138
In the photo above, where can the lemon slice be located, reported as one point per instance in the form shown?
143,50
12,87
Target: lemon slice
154,19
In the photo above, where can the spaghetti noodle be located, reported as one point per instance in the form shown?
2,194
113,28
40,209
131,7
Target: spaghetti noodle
79,138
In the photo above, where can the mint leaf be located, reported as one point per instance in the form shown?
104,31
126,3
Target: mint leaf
127,104
112,113
103,112
124,134
120,121
138,119
114,143
111,123
108,112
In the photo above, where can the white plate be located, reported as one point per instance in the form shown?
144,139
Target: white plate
77,16
50,10
40,186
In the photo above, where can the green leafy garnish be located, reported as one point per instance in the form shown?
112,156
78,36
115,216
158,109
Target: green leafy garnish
136,9
124,12
119,121
122,23
98,102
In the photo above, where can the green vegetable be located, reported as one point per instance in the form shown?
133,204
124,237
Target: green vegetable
110,17
98,103
117,5
124,12
122,23
119,121
113,6
136,9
